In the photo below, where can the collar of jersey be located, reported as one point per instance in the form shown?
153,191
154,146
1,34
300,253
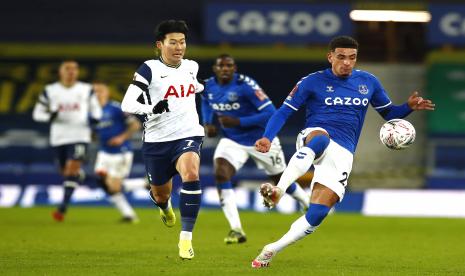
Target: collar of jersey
233,80
169,65
330,74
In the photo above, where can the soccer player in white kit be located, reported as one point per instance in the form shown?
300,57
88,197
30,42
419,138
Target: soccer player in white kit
163,91
69,106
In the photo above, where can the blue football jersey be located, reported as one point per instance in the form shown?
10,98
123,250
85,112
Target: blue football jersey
242,97
113,123
338,105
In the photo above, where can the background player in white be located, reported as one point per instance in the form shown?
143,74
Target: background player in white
114,158
337,100
163,90
242,109
67,105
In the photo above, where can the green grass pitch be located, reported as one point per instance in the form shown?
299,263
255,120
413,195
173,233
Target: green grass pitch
92,242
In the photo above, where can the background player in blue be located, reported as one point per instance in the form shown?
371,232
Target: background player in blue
242,109
337,100
114,158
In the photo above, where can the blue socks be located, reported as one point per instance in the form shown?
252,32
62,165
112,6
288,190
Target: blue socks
291,188
189,204
318,144
225,185
316,213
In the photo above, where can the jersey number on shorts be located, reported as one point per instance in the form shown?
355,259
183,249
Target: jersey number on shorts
276,160
79,151
344,180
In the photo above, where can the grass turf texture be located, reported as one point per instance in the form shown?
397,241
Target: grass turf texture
91,241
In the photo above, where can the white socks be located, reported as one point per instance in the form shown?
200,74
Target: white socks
185,235
301,196
120,202
229,206
299,229
299,164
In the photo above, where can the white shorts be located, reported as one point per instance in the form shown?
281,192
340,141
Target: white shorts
273,162
116,165
332,169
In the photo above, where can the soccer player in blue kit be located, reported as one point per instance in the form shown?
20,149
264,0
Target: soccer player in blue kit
114,158
336,102
242,109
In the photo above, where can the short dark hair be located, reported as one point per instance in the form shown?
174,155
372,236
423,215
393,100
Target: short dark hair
224,55
343,42
170,26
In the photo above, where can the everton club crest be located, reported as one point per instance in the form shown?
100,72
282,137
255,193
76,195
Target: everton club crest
232,96
363,89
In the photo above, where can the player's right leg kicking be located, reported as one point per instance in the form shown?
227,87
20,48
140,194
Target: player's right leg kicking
299,164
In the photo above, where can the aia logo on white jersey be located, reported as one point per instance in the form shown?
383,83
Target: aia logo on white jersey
68,107
180,92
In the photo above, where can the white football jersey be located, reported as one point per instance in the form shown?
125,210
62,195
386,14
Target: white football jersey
155,81
74,106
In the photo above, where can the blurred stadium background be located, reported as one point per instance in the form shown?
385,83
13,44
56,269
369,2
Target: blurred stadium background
275,42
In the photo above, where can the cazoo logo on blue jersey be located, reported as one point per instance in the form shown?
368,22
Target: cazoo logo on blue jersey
266,22
225,107
346,101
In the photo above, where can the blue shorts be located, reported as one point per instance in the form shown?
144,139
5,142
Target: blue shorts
70,152
160,158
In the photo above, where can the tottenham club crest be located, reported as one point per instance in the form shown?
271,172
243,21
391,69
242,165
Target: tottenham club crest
363,89
232,96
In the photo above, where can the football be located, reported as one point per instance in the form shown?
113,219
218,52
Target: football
397,134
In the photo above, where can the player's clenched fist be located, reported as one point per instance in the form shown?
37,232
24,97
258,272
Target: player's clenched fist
161,107
263,145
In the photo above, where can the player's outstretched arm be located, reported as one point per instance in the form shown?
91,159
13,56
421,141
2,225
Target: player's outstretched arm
273,126
263,145
416,102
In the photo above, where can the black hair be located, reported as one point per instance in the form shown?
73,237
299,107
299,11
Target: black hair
224,56
343,42
68,59
170,26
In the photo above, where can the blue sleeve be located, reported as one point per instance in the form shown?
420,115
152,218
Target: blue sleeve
277,121
380,98
255,94
258,119
298,95
207,112
395,111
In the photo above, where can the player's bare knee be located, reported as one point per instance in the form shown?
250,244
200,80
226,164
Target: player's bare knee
72,168
191,175
161,197
222,174
323,195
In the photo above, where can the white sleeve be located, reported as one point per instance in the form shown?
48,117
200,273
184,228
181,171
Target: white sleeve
198,86
130,103
95,108
41,112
